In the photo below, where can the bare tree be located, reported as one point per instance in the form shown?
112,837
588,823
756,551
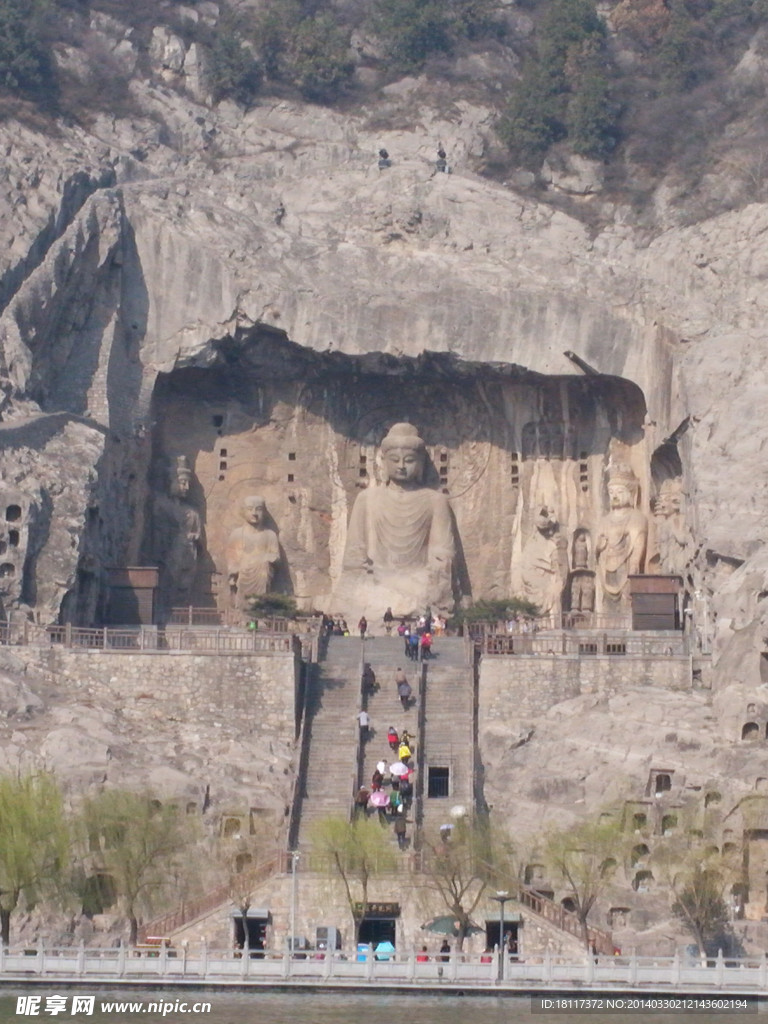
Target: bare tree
583,858
355,851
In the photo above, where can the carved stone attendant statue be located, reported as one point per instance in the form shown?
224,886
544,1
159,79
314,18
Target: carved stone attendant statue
178,532
400,545
540,572
253,551
671,533
622,538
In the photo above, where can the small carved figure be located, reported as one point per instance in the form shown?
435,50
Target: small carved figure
622,537
582,591
178,532
400,543
253,551
580,550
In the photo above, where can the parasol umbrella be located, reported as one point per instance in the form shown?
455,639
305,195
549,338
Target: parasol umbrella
448,925
398,768
379,799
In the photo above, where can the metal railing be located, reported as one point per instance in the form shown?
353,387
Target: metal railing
150,638
196,964
191,910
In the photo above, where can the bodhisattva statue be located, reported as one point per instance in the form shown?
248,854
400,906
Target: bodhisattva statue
253,551
400,544
179,530
621,539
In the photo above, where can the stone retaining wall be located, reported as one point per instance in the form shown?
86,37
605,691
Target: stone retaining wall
528,686
217,685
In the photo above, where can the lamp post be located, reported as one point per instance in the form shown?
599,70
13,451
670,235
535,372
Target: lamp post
501,897
292,940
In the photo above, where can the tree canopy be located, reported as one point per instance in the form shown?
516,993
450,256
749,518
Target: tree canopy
138,843
34,841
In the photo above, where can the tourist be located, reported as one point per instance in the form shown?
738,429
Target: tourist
404,752
364,721
413,646
388,618
402,629
406,791
377,779
369,679
405,737
445,952
441,164
363,627
422,957
392,738
361,800
400,830
384,160
426,645
404,693
487,956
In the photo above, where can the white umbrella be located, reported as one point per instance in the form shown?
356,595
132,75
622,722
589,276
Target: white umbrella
398,768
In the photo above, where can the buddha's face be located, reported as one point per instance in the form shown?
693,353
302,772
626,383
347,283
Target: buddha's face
180,486
619,495
253,512
404,465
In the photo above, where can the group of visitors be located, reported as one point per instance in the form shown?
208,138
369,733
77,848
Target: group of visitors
522,624
335,626
391,788
417,637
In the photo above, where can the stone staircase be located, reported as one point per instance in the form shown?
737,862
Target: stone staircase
442,727
447,735
332,735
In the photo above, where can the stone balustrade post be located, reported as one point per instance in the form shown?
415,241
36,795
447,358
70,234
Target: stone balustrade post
81,958
719,969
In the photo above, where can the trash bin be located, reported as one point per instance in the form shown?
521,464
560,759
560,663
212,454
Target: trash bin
363,948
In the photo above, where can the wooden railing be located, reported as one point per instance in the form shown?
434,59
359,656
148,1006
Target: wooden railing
149,638
599,941
585,643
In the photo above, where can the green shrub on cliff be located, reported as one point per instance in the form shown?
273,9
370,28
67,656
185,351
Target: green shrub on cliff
25,60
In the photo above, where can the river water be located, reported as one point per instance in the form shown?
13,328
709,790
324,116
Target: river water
258,1007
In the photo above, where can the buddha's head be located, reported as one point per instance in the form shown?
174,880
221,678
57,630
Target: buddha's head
622,486
181,478
404,455
254,509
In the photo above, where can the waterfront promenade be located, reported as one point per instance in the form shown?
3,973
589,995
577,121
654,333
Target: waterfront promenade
402,972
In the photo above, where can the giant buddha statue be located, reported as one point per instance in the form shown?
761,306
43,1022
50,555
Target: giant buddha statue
621,539
400,543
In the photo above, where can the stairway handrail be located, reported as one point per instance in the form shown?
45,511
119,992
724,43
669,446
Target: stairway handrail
191,910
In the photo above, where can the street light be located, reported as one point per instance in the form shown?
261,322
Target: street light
501,897
292,940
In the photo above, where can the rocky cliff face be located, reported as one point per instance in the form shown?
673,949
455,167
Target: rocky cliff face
144,253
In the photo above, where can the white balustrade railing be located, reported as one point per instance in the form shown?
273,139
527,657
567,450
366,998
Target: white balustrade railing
212,966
